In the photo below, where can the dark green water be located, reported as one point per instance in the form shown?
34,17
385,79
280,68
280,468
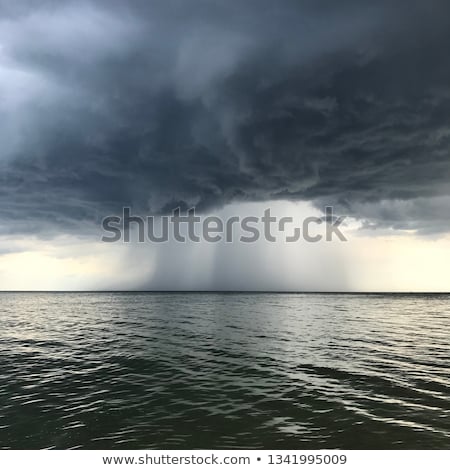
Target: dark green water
133,371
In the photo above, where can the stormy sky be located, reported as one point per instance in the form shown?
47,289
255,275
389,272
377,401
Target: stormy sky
157,104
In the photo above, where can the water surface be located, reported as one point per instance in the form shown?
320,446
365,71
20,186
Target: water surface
158,371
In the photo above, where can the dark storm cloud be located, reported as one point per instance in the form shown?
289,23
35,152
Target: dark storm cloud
163,103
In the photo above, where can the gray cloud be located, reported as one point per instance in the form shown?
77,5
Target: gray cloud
153,104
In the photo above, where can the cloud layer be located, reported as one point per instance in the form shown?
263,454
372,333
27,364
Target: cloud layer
160,103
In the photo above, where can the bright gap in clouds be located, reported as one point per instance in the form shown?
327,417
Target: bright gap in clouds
368,261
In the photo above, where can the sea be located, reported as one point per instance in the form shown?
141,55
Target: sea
224,371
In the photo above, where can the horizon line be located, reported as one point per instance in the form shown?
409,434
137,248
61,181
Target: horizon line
223,291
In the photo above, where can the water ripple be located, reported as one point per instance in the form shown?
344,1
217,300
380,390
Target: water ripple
136,371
